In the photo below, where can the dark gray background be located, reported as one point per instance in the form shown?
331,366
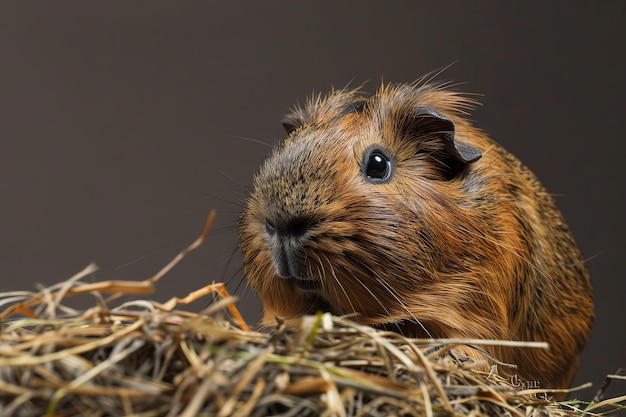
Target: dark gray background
122,123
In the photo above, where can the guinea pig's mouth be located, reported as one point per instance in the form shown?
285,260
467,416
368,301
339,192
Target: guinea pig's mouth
307,284
290,265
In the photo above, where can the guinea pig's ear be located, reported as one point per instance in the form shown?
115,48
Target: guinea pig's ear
431,121
453,155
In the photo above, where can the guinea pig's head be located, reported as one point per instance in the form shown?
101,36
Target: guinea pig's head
360,210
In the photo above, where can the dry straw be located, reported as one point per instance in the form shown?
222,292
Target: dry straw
144,358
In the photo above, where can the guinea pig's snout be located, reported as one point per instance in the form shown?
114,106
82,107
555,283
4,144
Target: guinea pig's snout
287,246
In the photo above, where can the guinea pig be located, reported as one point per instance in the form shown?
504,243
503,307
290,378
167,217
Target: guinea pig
394,209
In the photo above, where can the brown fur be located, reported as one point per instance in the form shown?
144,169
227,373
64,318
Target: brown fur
481,254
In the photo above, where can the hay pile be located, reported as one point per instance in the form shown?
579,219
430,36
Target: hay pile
144,358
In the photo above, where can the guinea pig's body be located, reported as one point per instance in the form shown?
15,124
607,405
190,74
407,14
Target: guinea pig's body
394,209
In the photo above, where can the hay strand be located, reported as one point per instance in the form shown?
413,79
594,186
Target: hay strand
151,359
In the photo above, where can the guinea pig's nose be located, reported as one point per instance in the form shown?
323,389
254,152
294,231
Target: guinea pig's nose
295,227
270,228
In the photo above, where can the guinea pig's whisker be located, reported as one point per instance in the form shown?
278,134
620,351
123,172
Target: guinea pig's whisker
241,281
339,284
317,261
360,281
383,282
260,142
224,200
234,181
386,286
379,279
320,273
390,290
226,228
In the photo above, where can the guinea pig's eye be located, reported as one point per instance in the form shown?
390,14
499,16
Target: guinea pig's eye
376,165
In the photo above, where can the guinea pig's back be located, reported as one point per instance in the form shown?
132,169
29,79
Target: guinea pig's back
552,297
